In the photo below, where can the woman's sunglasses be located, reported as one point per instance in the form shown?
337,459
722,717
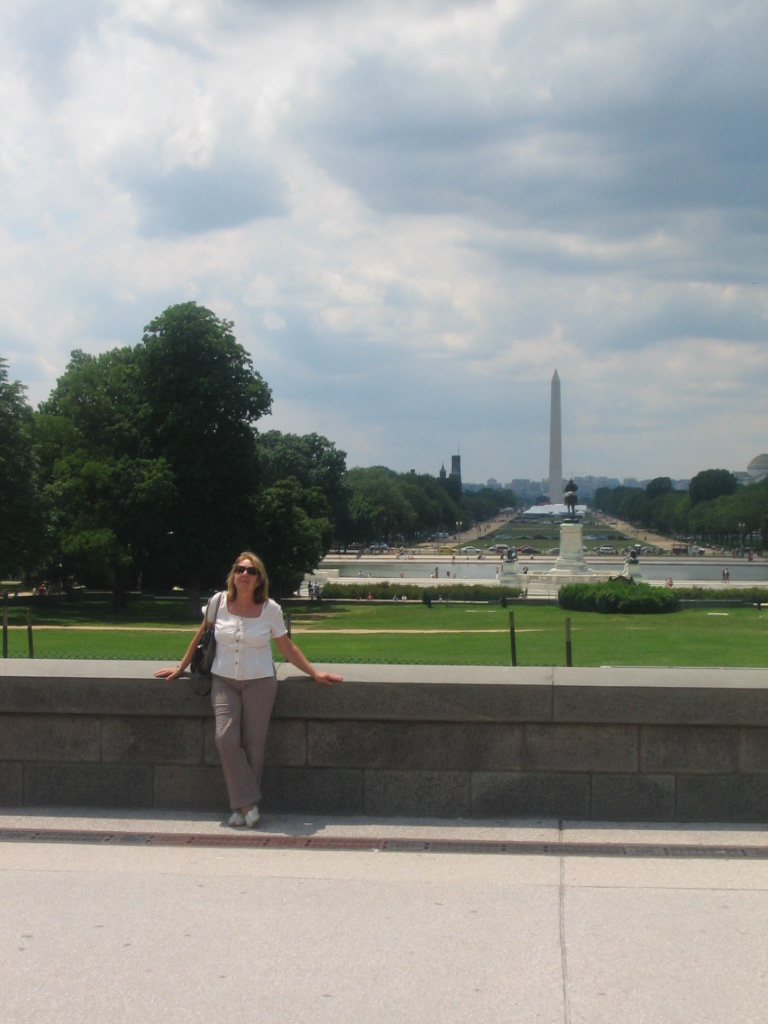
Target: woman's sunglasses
240,569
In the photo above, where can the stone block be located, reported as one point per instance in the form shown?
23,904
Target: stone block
436,693
725,798
753,750
210,752
417,794
287,743
312,790
581,748
11,784
688,748
87,785
531,795
188,788
50,686
680,696
30,737
425,746
633,797
152,740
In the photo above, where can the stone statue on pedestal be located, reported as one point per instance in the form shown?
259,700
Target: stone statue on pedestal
570,498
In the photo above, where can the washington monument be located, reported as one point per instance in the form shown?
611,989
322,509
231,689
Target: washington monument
555,445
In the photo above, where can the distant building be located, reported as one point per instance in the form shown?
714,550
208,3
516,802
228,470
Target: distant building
452,481
758,469
589,485
631,481
526,490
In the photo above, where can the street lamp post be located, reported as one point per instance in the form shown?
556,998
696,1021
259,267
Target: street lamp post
458,534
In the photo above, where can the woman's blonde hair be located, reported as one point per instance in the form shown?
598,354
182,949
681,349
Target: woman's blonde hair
261,590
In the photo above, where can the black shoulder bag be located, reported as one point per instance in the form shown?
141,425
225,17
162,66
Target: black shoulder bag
202,659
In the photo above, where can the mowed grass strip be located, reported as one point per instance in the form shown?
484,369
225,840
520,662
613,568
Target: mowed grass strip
690,638
410,633
109,644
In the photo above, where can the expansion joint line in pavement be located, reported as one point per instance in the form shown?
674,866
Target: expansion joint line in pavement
563,943
255,840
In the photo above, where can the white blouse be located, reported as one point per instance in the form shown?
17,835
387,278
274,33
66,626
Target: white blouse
243,648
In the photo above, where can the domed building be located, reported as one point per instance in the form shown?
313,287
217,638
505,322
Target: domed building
758,468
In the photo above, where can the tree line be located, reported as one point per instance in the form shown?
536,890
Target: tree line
715,511
145,468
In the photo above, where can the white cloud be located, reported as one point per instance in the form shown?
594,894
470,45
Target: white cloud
412,212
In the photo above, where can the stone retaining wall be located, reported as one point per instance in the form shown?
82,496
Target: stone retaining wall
430,741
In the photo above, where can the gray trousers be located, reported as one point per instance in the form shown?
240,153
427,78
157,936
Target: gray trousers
242,709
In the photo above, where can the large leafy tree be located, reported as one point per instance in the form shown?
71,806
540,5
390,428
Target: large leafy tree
658,486
732,519
108,497
390,506
200,398
710,484
314,462
19,519
380,509
150,457
431,501
292,532
485,503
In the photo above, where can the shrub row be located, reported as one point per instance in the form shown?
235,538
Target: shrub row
736,595
388,591
617,597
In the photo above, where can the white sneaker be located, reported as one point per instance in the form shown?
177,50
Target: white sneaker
236,820
252,817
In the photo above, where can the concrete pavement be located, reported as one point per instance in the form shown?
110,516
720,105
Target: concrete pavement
153,917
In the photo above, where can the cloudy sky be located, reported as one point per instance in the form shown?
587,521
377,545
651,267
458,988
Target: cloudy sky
413,213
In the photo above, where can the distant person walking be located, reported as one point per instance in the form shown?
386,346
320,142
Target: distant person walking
243,680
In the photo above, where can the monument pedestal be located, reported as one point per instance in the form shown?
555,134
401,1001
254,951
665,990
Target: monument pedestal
570,561
510,573
631,571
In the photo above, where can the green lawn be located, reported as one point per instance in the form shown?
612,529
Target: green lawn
411,633
723,638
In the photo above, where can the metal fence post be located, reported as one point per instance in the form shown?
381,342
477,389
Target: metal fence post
568,650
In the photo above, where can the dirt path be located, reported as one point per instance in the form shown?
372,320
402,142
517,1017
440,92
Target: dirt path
641,536
114,629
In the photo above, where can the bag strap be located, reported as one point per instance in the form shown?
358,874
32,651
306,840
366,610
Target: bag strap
218,597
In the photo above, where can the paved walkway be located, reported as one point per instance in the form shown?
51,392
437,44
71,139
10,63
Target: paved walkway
171,917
